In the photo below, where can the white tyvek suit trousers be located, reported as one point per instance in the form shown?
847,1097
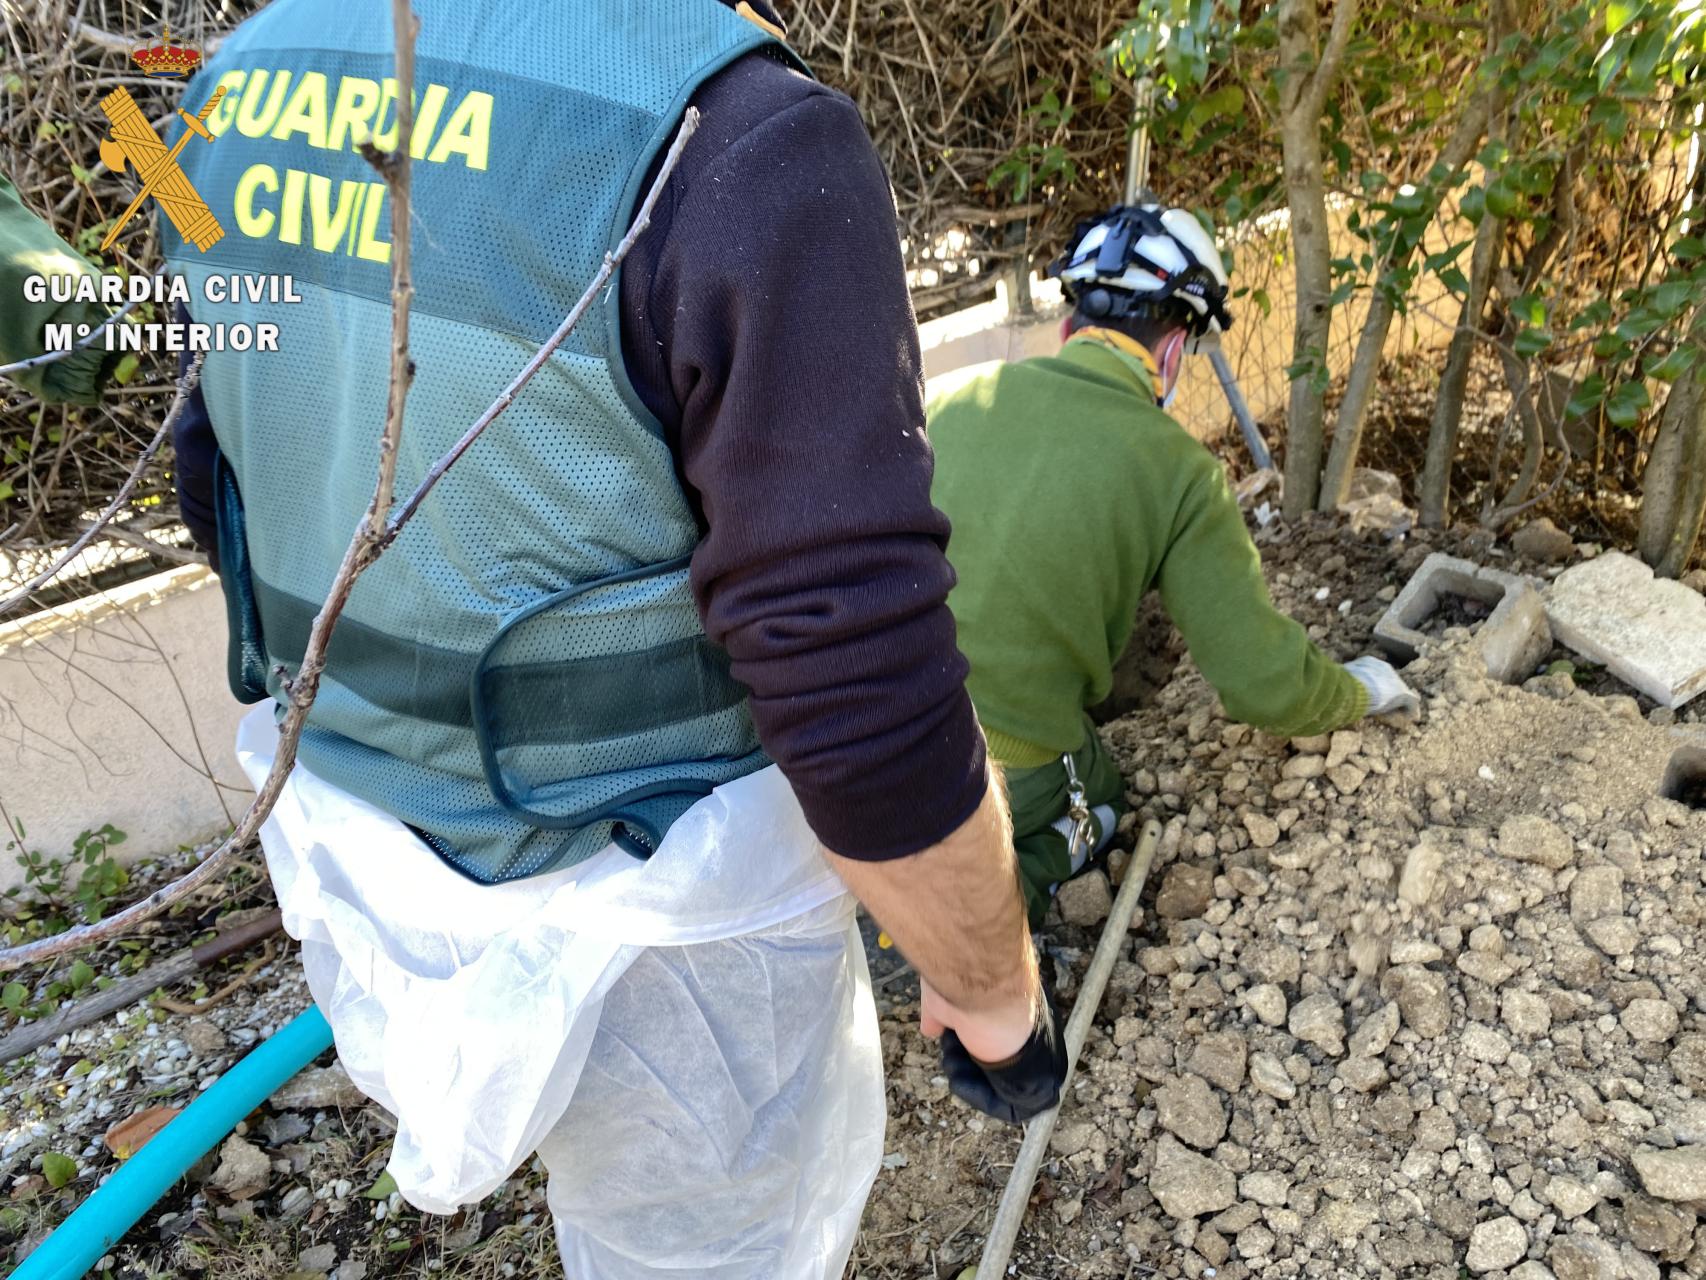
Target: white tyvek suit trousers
689,1043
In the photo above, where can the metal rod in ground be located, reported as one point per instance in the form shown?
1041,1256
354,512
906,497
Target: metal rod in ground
127,991
1241,410
1137,144
1010,1213
1136,180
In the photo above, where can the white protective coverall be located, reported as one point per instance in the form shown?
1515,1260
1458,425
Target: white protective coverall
689,1043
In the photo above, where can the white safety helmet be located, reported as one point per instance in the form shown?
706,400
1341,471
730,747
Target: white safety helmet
1146,258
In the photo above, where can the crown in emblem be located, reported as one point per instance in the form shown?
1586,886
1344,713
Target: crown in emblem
166,58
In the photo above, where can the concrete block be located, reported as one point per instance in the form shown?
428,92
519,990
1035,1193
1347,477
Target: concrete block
1648,632
1513,639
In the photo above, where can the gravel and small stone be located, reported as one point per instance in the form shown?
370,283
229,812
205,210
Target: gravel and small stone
1420,999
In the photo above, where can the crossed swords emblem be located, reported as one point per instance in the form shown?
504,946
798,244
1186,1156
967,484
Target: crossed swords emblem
134,140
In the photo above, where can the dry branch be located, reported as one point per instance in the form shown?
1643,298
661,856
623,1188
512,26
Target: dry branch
127,991
371,537
186,387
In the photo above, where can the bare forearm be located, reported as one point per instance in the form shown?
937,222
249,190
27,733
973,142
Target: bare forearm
955,910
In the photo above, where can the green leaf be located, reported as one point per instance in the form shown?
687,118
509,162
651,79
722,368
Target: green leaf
126,369
382,1189
1670,298
1596,312
1610,346
81,975
1502,201
1674,365
83,1067
1644,58
1626,403
58,1169
1585,399
1618,14
1610,65
1609,116
13,995
1531,342
6,490
1225,102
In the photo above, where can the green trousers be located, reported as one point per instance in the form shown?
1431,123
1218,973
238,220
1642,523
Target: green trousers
1039,800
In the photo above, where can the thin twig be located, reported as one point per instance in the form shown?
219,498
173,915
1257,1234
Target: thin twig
153,546
360,553
1327,70
612,260
363,550
186,385
50,357
224,993
396,168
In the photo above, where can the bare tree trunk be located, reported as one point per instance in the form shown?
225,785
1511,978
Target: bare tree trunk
1484,259
1691,508
1494,511
1448,409
1309,75
1459,148
1673,499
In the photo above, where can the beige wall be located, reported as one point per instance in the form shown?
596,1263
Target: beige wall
115,709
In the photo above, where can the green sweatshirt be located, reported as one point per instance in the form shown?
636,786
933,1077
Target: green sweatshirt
1071,494
28,247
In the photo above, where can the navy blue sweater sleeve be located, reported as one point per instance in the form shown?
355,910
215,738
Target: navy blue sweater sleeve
194,449
768,325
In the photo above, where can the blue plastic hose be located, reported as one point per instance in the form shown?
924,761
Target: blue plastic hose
101,1220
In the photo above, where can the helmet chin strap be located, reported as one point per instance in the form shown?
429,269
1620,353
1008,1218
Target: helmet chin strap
1169,360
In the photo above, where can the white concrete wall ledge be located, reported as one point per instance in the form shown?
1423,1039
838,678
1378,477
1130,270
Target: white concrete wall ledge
115,709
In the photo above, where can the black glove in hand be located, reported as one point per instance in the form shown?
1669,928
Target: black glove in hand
1026,1085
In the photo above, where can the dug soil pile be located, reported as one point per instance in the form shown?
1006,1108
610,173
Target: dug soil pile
1410,1001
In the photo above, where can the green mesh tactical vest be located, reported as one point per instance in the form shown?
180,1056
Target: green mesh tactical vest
523,677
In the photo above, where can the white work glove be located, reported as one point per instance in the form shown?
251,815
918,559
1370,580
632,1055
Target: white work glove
1387,691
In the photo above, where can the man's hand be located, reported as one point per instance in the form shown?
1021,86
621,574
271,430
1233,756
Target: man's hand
1387,691
991,1035
956,912
1010,1066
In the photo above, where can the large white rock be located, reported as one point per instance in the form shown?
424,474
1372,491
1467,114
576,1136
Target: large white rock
1650,632
1189,1185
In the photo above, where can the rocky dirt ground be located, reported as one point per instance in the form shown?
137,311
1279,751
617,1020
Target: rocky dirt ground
1416,1000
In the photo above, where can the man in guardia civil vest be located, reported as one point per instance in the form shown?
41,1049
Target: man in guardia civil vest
662,669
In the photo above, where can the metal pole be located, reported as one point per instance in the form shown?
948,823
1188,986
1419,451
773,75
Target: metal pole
1137,146
1010,1213
1136,180
1240,410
